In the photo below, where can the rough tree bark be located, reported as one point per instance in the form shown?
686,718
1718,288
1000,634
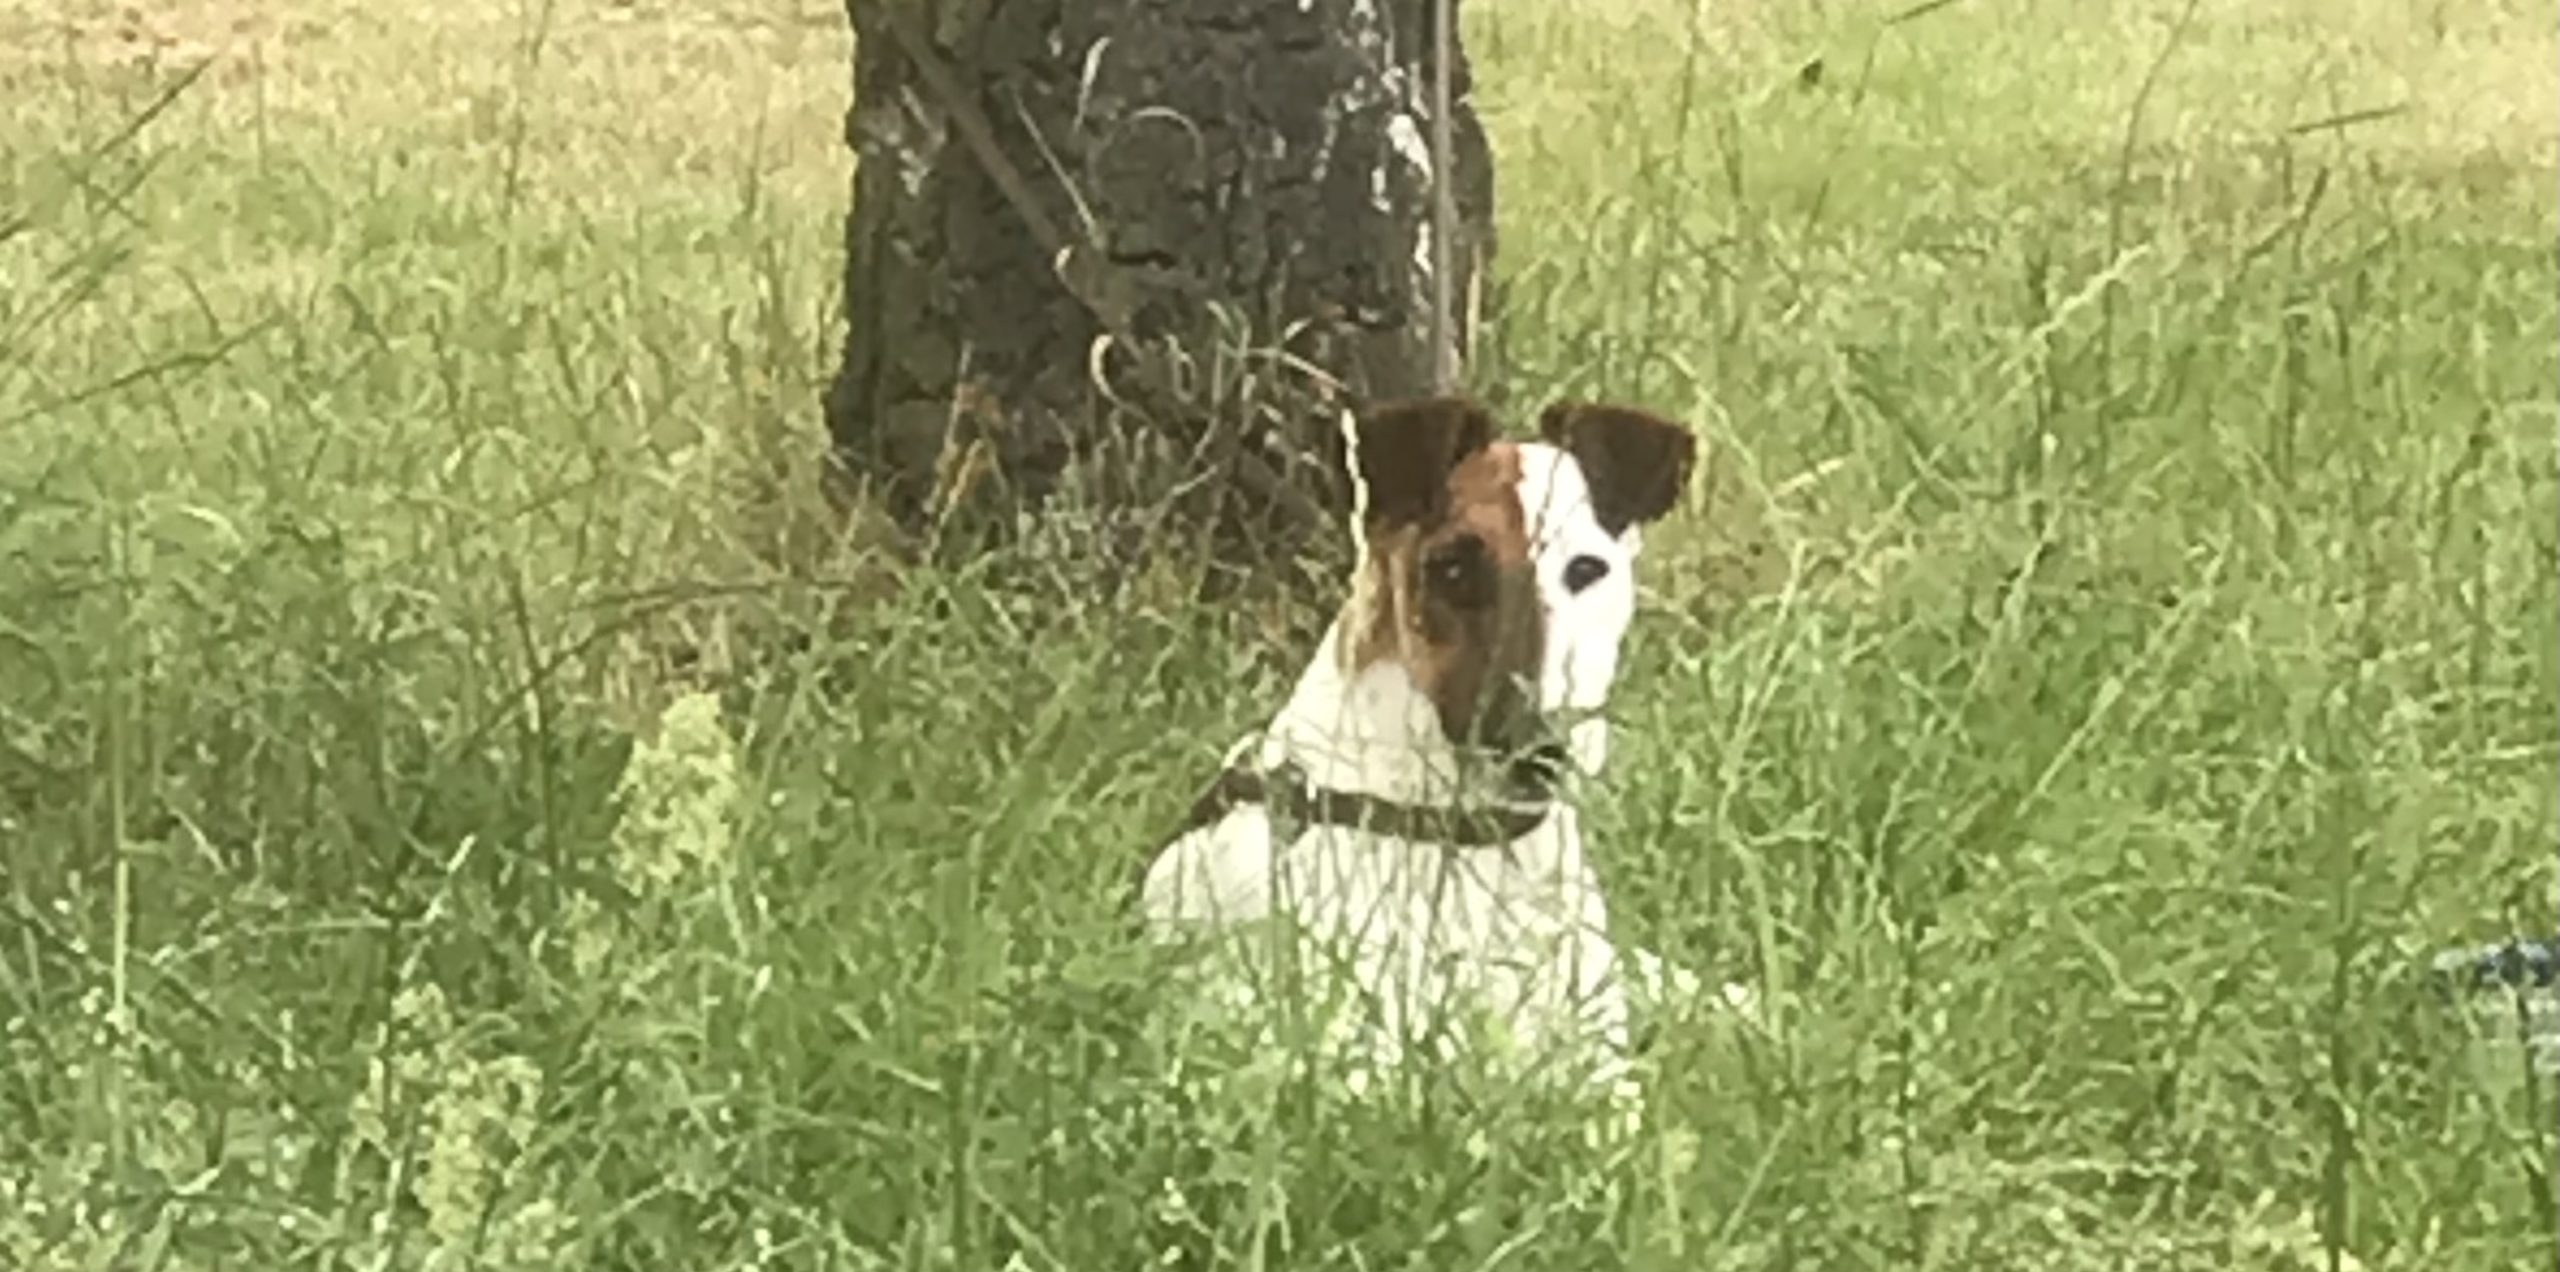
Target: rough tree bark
1083,231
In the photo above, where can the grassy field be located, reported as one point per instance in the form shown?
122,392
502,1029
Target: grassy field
2120,639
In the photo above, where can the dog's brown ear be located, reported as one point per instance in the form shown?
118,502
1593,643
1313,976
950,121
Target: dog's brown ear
1636,461
1407,449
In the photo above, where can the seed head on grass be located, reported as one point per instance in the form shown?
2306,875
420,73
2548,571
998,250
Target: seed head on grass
677,798
472,1115
479,1103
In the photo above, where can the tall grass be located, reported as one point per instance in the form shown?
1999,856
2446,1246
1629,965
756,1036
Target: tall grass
465,802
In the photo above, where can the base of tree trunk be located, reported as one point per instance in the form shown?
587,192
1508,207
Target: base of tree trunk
1127,262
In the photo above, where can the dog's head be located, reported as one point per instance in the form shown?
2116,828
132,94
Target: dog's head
1500,575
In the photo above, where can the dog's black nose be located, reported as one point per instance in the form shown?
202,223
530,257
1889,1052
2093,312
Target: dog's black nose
1536,771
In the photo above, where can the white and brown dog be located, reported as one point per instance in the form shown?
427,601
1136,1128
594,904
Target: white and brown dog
1405,806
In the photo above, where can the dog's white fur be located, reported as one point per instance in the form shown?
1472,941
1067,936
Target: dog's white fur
1518,930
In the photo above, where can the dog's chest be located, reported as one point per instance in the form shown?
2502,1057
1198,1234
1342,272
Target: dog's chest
1518,931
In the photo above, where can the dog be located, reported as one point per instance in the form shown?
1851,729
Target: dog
1407,807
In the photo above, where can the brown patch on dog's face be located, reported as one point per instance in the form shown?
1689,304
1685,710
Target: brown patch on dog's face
1452,595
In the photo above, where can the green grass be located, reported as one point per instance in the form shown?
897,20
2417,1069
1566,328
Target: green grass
2115,642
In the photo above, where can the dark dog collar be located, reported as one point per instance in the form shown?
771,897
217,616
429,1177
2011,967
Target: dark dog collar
1293,801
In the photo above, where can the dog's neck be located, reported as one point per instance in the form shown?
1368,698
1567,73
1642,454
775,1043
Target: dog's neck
1370,731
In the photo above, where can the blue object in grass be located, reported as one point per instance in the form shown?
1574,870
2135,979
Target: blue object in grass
2516,980
2523,963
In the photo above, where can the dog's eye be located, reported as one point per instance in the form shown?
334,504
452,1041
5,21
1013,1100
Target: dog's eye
1456,572
1583,571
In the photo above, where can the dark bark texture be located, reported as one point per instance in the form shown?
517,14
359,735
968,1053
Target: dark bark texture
1138,255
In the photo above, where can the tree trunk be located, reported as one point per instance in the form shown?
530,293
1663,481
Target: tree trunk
1137,256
